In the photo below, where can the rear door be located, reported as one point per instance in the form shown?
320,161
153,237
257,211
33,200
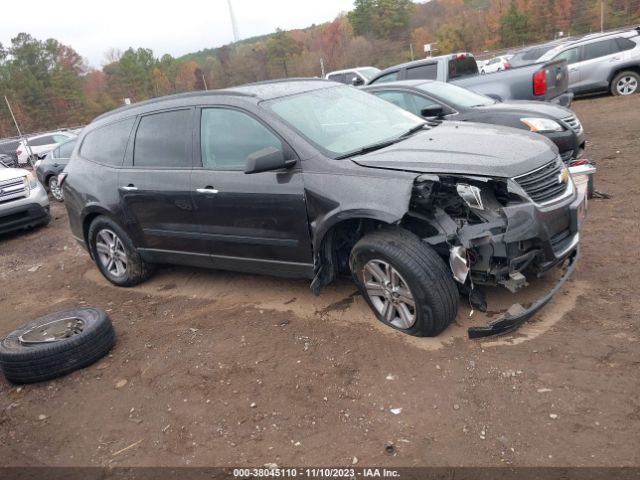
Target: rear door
595,63
252,222
154,184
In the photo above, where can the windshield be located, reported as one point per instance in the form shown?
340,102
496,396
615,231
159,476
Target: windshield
456,96
341,120
368,72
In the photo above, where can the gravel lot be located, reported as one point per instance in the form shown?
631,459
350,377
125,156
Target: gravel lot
217,368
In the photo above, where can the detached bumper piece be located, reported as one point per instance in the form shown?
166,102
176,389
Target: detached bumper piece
517,315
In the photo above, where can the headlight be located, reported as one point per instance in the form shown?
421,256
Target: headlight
471,195
31,180
542,125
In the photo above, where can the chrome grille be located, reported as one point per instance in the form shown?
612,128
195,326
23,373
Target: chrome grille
543,183
12,189
573,123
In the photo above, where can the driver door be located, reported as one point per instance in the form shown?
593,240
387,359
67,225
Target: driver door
251,222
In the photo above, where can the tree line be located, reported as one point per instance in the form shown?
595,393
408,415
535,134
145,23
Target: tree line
50,86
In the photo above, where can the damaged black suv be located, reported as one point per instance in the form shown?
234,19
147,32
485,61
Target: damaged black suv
310,179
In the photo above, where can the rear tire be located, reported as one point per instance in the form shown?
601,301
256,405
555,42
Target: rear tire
625,83
115,254
432,299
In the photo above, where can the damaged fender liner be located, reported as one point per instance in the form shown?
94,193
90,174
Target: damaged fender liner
509,321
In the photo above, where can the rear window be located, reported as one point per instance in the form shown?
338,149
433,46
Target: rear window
41,141
460,67
107,144
423,72
625,44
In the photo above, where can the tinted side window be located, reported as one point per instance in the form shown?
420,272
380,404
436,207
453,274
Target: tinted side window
64,150
338,77
60,138
107,144
228,137
163,140
39,142
420,103
624,44
426,72
389,77
571,56
599,49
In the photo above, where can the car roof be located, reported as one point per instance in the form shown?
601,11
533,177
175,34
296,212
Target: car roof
257,91
593,37
398,83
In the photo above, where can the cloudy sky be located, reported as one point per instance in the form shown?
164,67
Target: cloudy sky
177,27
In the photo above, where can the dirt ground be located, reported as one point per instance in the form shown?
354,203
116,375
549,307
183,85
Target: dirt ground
227,369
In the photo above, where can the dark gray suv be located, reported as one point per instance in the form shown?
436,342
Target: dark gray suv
313,179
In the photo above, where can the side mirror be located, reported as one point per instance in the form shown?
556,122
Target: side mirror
357,81
435,111
266,160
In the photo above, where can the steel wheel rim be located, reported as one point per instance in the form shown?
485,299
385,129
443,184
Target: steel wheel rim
389,293
627,85
53,331
111,253
55,189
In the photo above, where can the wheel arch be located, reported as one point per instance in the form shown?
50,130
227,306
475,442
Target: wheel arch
90,213
633,67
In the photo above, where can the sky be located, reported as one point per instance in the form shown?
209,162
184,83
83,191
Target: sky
177,27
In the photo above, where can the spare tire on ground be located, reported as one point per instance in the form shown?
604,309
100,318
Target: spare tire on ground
56,345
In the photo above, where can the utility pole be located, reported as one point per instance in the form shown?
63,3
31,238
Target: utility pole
601,16
234,26
204,80
411,48
15,122
322,66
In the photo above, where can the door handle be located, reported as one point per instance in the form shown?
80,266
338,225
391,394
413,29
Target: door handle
129,188
207,190
573,69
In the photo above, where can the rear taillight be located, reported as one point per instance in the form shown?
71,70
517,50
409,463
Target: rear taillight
460,55
506,66
61,178
540,82
18,152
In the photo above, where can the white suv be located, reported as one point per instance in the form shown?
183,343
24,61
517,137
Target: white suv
353,76
23,200
40,145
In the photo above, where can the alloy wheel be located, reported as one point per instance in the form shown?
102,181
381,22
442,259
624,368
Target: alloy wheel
55,189
111,253
389,294
627,85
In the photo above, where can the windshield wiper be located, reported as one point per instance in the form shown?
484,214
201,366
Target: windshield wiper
367,149
378,146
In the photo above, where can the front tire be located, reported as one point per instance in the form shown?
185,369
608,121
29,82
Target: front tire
625,83
405,282
115,254
54,188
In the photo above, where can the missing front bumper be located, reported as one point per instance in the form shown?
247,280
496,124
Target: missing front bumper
517,315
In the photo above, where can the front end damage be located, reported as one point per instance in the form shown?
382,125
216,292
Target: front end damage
499,231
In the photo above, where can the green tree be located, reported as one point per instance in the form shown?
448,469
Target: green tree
514,26
361,17
281,48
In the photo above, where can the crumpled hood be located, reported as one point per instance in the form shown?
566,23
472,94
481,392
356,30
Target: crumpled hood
10,173
465,148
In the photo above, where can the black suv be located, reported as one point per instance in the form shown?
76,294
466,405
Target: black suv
312,179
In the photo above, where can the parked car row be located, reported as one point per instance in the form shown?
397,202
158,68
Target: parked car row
313,179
